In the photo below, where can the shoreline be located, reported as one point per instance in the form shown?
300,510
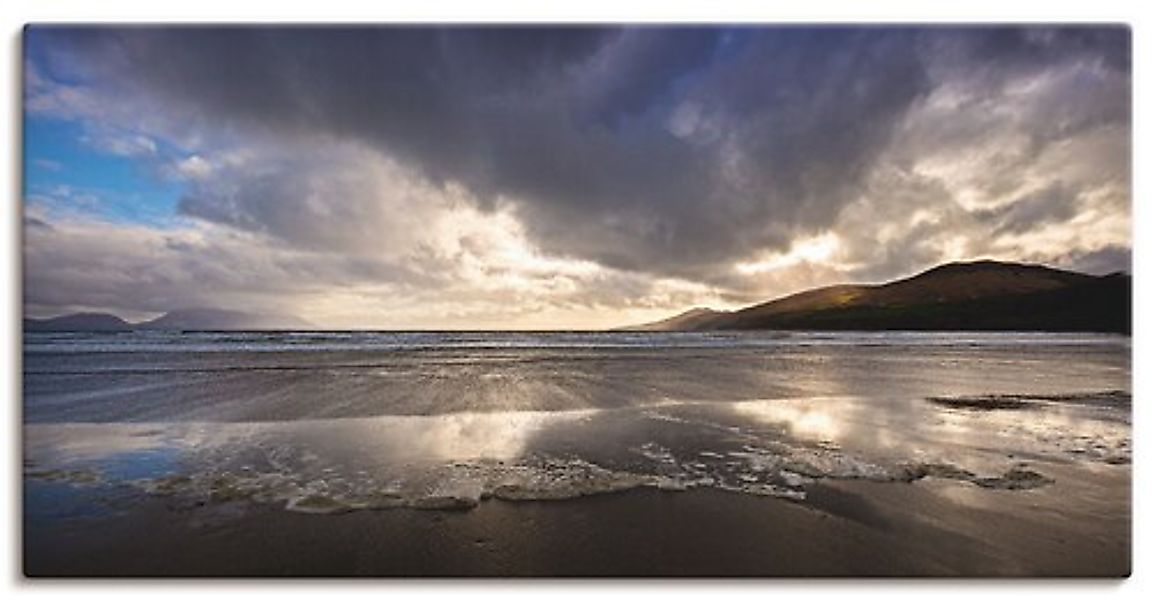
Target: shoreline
920,455
846,529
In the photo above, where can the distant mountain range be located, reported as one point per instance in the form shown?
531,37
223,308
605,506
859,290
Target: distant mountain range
193,319
965,296
977,296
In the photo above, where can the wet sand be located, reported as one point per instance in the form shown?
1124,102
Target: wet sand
846,528
254,455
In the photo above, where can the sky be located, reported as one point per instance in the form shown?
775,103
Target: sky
538,177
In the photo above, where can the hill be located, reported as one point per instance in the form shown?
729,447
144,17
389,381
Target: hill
982,295
193,319
79,322
690,320
213,319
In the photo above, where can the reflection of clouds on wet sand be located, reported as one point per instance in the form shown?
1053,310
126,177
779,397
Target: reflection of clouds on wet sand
445,461
921,430
894,428
88,442
1066,432
458,436
812,419
375,441
767,447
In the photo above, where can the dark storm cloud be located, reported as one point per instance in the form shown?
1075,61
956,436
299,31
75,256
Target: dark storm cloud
666,150
1012,50
1111,259
807,113
1055,203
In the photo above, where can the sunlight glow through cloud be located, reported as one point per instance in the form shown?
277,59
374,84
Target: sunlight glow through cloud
558,178
814,250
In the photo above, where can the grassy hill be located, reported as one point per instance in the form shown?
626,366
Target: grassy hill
982,295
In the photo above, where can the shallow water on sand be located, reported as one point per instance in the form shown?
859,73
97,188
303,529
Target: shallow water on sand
336,422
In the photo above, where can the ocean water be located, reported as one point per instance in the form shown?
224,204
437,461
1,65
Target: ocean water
328,422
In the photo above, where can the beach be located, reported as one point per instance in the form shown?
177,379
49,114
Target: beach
876,531
577,454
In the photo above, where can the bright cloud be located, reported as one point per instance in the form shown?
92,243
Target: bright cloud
553,178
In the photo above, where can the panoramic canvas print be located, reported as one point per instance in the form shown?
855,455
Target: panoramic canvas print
558,300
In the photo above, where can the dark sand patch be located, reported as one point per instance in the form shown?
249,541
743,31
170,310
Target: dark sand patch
988,402
850,528
1026,401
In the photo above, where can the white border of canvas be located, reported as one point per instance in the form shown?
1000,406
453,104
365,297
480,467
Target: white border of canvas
18,12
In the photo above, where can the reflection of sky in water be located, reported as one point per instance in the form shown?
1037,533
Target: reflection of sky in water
50,500
896,430
326,422
126,452
82,442
459,436
974,438
140,464
811,419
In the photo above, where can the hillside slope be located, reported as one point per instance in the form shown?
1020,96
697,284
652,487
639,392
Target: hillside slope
79,322
195,319
982,295
690,320
212,319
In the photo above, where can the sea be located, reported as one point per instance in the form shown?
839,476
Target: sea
331,422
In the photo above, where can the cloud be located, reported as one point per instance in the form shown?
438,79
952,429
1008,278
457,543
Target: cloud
447,264
1054,203
1106,260
647,154
47,164
128,145
575,130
